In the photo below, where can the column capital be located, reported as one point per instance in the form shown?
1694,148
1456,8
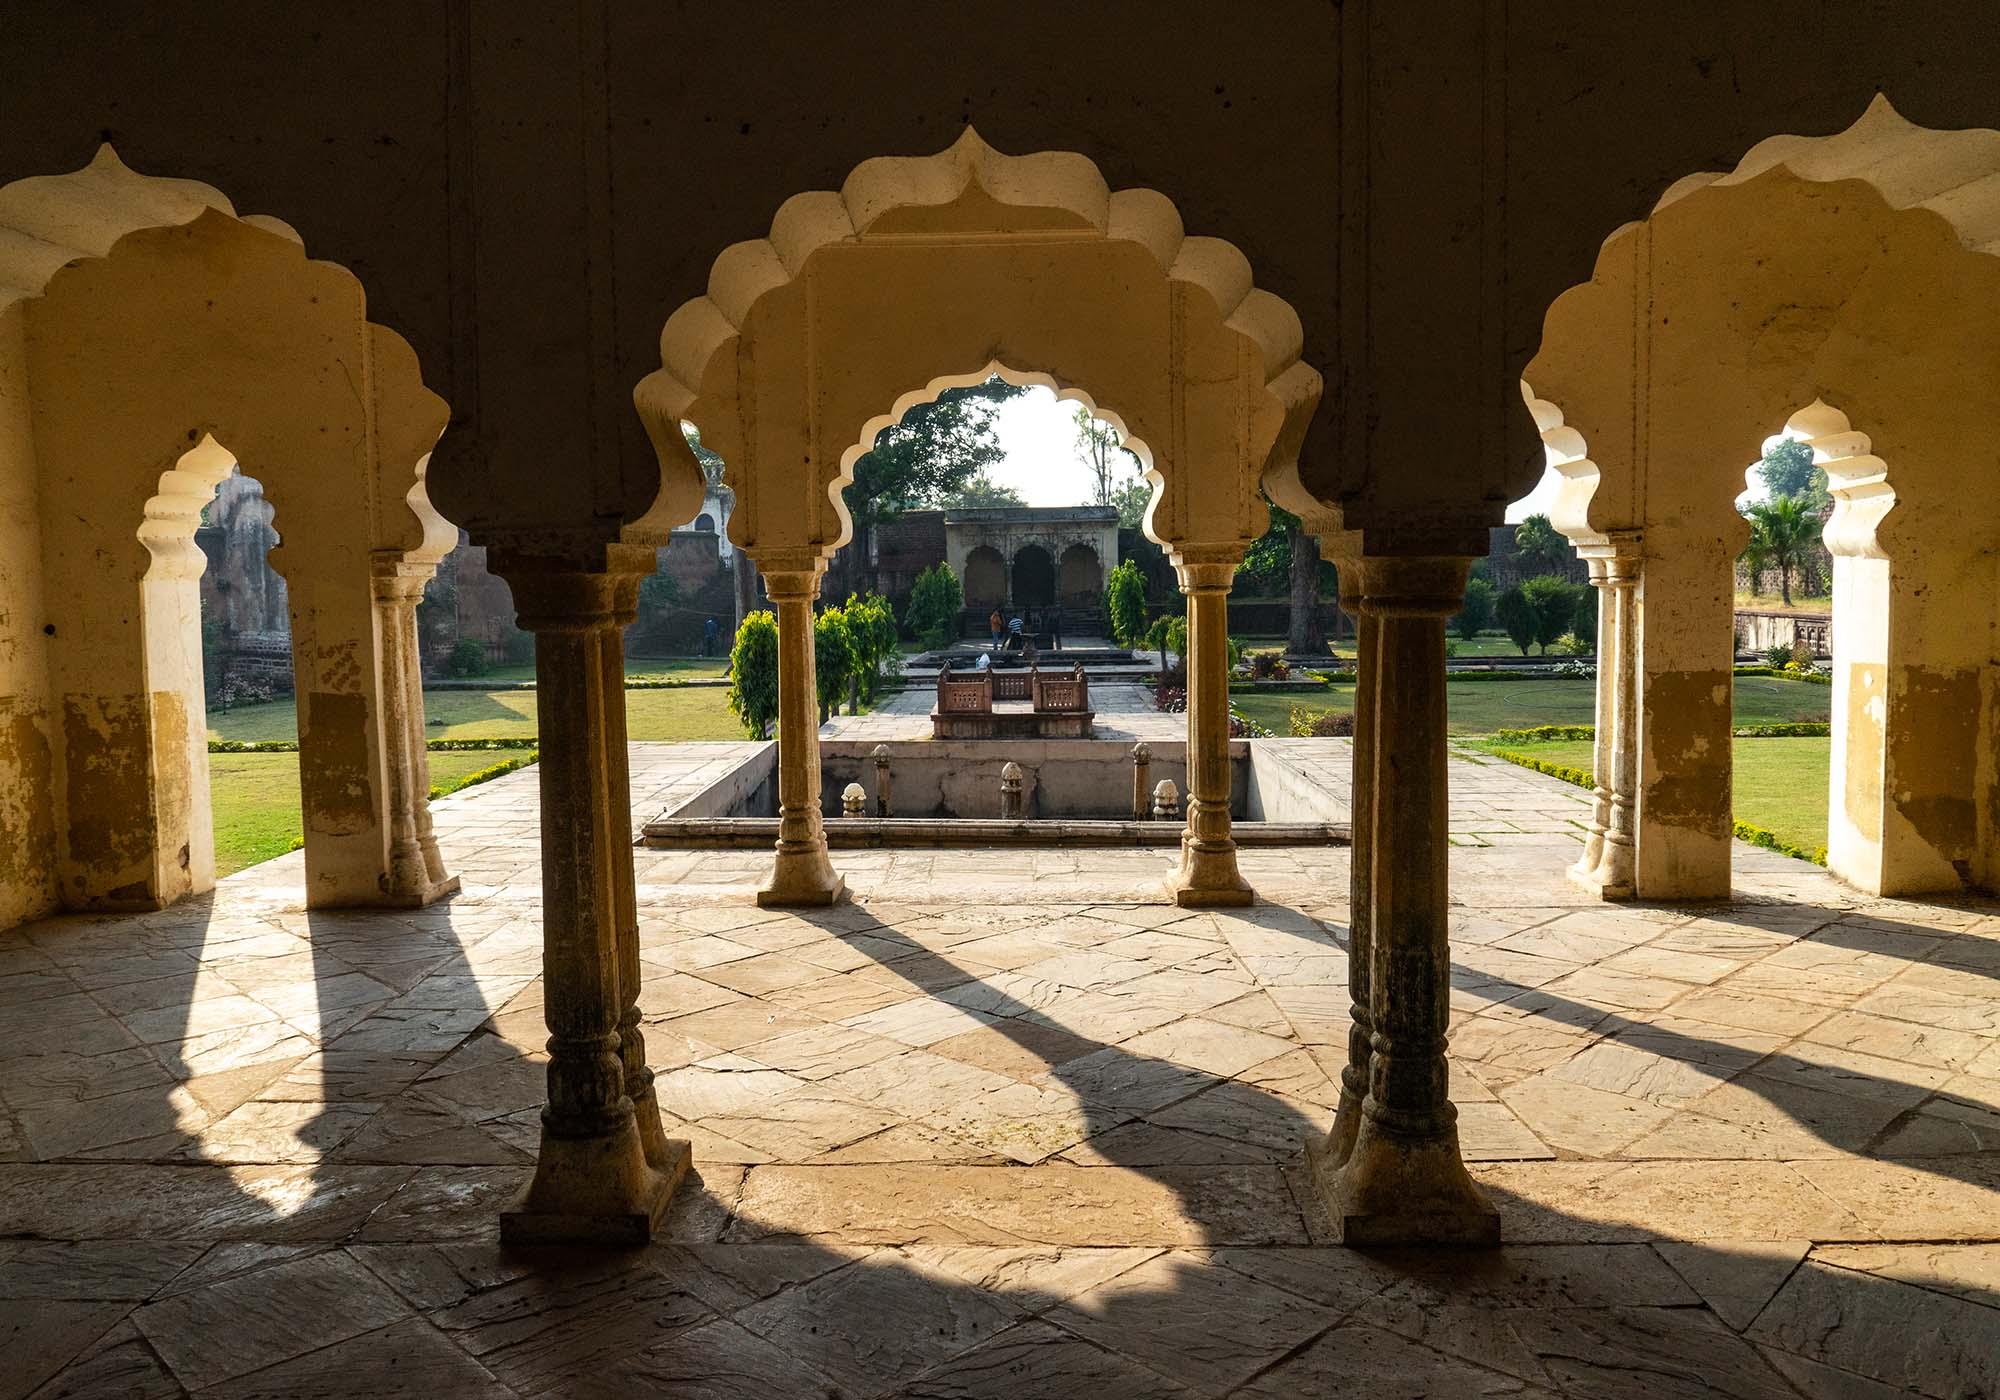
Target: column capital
793,584
1206,575
1616,560
1415,585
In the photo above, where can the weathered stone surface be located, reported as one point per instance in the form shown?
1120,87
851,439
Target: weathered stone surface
1923,1342
1736,1278
1358,1360
1037,1359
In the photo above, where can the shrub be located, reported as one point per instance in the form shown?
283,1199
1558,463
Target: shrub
1778,654
1268,666
1125,604
1554,601
1570,644
753,674
1476,613
935,603
467,658
1543,733
1541,765
872,630
519,648
1516,616
833,659
1303,723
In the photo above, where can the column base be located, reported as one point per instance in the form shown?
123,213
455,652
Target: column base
1209,879
421,893
1602,877
1394,1193
1339,1143
803,881
595,1191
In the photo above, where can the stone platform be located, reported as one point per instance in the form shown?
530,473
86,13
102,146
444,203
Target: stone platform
1004,1126
1014,719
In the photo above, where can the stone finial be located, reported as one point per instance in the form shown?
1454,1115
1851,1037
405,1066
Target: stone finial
881,757
853,799
1166,801
1142,790
1010,792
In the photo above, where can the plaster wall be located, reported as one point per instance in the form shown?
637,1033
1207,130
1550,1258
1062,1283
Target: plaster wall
29,815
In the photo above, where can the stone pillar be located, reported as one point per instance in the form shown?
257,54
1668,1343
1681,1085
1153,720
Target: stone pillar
416,873
1142,781
1361,851
1208,877
1404,1182
1608,865
803,875
595,1181
669,1158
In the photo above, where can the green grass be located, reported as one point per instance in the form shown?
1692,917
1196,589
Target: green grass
1480,707
655,668
1780,784
698,712
254,799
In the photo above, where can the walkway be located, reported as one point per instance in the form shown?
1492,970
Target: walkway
1123,712
1001,1129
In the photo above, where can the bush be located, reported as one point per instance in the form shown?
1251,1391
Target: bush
1570,644
833,659
1125,604
519,648
753,674
1543,734
1318,724
1778,654
1269,666
935,603
1516,616
872,631
467,658
1476,613
1554,601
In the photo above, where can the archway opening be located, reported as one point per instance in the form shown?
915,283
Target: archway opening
985,578
1080,577
1034,575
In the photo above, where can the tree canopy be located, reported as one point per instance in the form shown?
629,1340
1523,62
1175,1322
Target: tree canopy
1132,497
1541,545
980,489
937,448
1102,449
1784,534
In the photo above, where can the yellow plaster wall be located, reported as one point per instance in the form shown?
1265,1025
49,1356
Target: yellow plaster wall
28,816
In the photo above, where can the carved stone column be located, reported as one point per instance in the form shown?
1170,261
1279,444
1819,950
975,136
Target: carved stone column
1361,851
1208,877
594,1182
1404,1182
416,873
1607,865
803,875
667,1157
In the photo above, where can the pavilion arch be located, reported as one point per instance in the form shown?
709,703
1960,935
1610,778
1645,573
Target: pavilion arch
969,259
1823,286
152,340
1079,576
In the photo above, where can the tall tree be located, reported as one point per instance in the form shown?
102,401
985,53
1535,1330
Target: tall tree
1541,545
1783,536
1787,469
1132,497
933,450
980,489
1308,631
1101,449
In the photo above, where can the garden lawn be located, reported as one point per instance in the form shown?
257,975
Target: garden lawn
1780,784
692,712
637,668
1480,707
254,799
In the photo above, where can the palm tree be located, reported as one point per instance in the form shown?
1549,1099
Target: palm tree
1540,544
1783,532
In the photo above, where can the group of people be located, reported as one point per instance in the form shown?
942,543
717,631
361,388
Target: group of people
1012,634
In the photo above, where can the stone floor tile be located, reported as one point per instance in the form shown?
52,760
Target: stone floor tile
260,1319
118,1201
1895,1333
1035,1358
1019,1049
1095,1206
878,1322
1609,1202
445,1203
1736,1278
1248,1115
1212,1047
1209,1328
120,1363
1646,1353
738,1023
92,1270
1968,1271
1949,1199
1358,1361
41,1336
1115,1078
1149,1144
716,1361
407,1361
1491,1132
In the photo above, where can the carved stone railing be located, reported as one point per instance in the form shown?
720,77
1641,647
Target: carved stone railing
1059,694
965,695
1013,685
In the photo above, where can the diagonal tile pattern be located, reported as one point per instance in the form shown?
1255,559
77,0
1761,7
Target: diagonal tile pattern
1006,1126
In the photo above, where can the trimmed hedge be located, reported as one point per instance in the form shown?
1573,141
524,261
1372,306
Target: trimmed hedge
1770,841
483,775
1785,673
434,745
1541,765
1803,729
1543,734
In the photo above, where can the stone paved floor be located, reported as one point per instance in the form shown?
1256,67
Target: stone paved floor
1004,1128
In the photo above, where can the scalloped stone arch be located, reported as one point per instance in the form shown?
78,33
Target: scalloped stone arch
785,425
148,336
1858,269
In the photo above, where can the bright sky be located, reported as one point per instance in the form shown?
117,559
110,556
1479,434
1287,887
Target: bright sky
1039,434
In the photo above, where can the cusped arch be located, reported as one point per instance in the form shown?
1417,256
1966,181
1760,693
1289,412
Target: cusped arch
936,251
